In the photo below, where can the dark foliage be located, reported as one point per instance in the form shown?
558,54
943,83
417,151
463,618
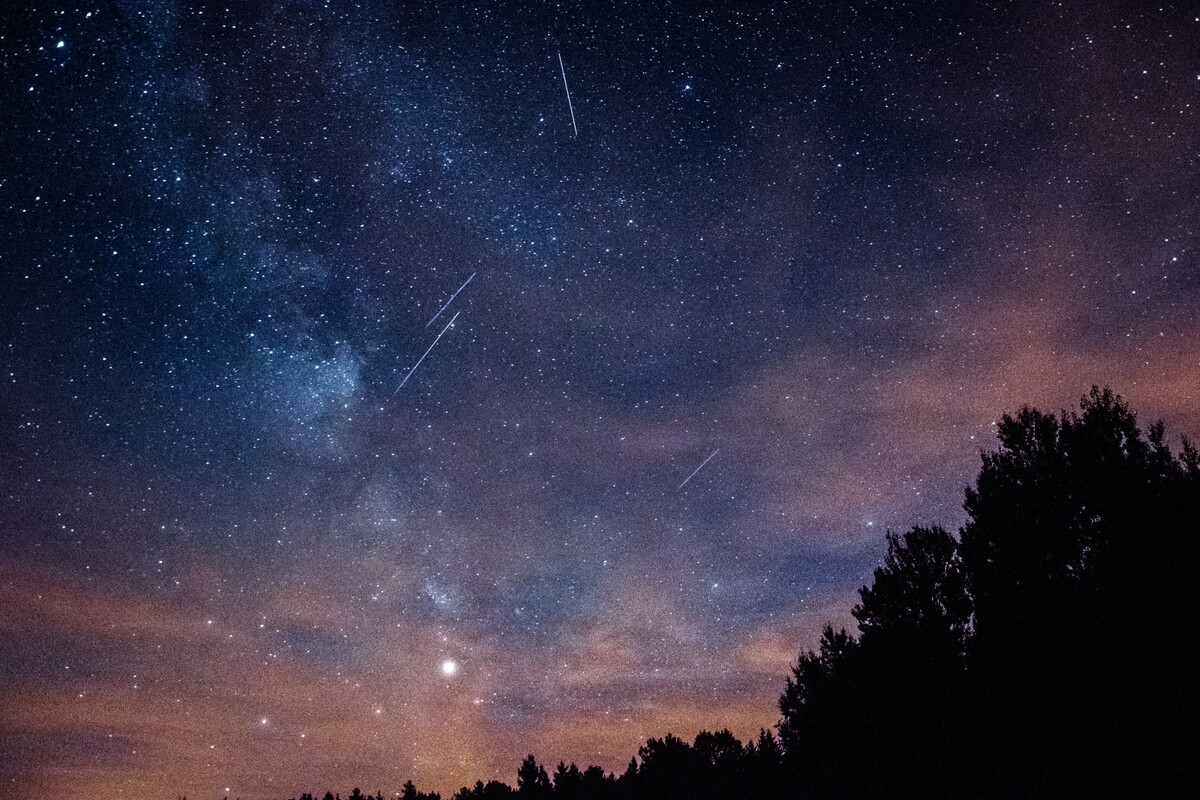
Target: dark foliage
1037,655
715,765
1040,653
1079,533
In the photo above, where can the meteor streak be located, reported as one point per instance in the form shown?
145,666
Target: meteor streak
697,469
451,300
422,358
570,107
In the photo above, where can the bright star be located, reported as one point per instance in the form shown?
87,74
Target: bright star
449,667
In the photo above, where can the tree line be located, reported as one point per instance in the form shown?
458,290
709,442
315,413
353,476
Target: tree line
1038,652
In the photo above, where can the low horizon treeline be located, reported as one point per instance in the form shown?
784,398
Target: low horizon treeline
716,764
1037,653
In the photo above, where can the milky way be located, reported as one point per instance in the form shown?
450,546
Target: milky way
832,242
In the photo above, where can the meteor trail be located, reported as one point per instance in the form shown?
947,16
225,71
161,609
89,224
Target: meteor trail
570,107
448,302
422,358
697,469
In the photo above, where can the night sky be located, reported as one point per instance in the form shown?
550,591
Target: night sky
818,248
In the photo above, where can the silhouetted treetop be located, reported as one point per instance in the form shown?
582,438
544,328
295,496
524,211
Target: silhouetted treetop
919,591
1035,655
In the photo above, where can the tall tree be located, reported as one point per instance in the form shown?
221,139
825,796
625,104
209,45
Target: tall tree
911,667
1039,655
532,781
1080,535
820,726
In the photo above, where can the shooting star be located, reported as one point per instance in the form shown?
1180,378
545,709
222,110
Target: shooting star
422,358
570,107
451,300
697,469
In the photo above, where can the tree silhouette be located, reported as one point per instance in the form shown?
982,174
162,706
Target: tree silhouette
1078,536
492,790
820,727
595,785
568,781
1035,656
914,620
532,781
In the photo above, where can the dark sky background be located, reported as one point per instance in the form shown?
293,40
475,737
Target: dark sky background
829,242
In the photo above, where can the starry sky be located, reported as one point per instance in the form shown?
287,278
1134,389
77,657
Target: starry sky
817,248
